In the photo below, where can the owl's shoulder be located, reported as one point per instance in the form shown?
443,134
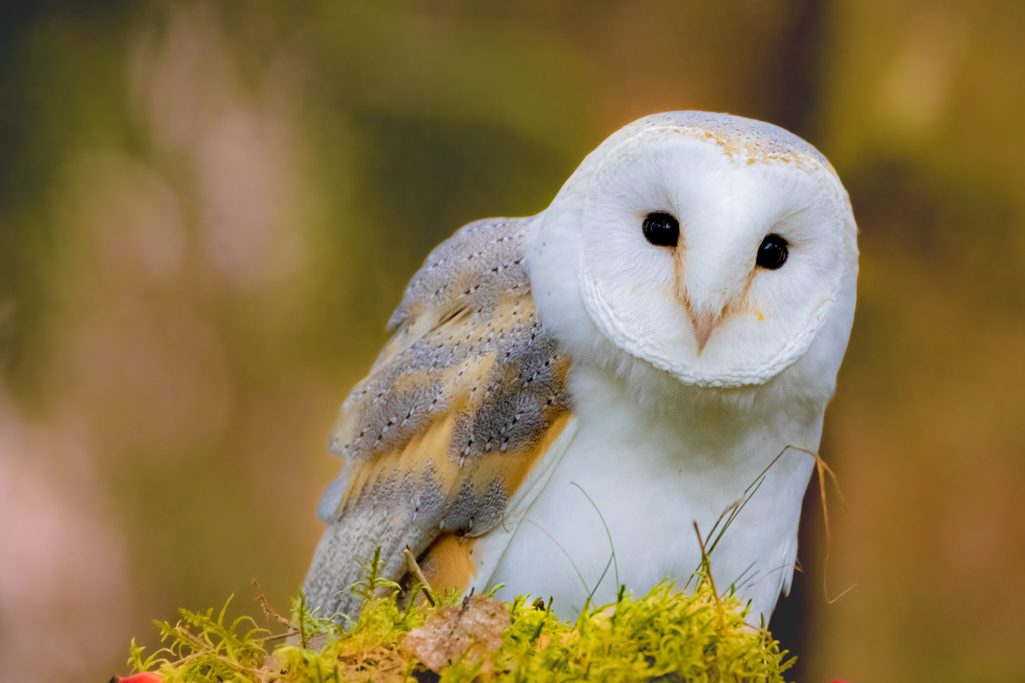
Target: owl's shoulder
478,265
467,344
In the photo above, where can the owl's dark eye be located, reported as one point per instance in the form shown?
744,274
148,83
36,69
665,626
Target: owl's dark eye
772,253
661,229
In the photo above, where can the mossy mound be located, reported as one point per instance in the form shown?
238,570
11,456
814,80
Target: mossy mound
666,635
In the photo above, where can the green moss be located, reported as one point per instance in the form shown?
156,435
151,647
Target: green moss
665,635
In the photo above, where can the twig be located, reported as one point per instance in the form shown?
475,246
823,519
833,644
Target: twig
414,568
269,613
706,563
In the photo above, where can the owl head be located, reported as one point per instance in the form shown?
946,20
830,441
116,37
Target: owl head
718,250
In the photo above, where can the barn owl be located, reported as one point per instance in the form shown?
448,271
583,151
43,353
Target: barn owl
570,400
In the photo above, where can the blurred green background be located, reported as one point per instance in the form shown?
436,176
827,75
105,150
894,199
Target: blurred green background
208,210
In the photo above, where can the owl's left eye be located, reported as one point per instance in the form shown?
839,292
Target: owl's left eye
661,229
773,252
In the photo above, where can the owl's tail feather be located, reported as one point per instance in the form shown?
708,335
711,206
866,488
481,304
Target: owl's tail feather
336,582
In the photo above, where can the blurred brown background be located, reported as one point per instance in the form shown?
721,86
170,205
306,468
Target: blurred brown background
208,210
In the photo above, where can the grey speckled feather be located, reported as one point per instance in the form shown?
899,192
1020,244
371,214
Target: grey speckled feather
452,412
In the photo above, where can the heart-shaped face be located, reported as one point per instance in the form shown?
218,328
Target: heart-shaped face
712,247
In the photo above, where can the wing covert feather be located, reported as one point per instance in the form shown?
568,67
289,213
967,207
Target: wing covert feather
458,406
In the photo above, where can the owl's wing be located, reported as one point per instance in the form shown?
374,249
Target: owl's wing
463,400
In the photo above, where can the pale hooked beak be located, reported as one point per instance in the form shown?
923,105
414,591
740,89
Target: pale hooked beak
703,324
707,312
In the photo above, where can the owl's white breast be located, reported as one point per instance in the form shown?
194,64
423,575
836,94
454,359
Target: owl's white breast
649,477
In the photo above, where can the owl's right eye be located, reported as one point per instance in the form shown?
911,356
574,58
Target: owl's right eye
661,229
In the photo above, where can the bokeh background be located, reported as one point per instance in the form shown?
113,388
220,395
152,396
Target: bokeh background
208,210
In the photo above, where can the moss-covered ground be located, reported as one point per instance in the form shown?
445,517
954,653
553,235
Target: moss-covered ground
665,635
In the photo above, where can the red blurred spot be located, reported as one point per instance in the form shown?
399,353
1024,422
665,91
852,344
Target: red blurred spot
144,677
